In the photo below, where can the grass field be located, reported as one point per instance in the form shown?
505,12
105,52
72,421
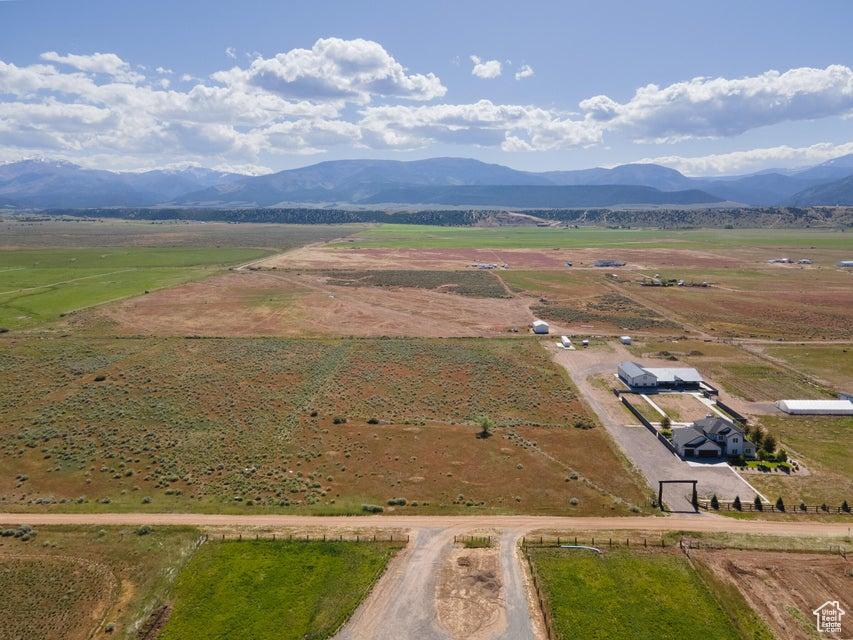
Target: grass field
272,589
413,236
626,594
317,426
822,445
66,583
39,285
174,233
830,363
737,371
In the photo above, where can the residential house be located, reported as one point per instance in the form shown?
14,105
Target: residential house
712,437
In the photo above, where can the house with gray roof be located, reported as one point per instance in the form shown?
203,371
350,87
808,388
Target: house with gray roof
712,437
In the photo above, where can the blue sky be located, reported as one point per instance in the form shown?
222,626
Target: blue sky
708,88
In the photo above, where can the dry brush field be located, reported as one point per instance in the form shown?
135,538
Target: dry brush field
318,425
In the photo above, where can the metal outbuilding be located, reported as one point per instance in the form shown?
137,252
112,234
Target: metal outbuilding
816,407
540,326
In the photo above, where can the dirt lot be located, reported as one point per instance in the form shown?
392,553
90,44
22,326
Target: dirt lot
324,257
469,595
785,588
268,303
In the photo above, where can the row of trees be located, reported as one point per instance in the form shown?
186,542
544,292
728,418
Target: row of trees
759,505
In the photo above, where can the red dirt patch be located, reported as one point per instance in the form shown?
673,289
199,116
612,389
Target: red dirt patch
784,587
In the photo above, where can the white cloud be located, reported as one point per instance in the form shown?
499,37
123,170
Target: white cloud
738,162
512,127
715,107
106,63
164,71
335,70
231,52
525,72
486,69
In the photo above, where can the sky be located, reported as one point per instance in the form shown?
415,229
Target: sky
705,87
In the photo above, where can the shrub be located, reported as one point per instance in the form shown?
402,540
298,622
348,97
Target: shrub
401,502
757,503
372,508
845,507
144,530
779,504
715,503
736,504
573,501
373,421
339,420
803,506
782,456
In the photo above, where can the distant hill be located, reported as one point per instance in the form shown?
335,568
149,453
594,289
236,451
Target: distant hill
42,184
839,192
556,197
48,183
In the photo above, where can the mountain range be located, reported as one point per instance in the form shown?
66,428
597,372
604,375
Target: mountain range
462,182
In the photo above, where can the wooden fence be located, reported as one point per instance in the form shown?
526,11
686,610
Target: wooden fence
747,505
290,537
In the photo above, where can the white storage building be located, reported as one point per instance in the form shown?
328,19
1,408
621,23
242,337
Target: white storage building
636,377
540,326
816,407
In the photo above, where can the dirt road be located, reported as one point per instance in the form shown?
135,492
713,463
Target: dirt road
523,524
403,603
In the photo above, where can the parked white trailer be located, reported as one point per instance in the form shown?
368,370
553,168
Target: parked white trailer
564,340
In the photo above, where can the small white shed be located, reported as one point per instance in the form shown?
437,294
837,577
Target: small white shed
564,340
625,339
540,326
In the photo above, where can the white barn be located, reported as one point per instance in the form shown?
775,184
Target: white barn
816,407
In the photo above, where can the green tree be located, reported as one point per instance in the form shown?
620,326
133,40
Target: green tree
486,426
779,504
769,442
715,503
782,456
665,422
757,503
736,504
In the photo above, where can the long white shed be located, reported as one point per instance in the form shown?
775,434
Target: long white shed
816,407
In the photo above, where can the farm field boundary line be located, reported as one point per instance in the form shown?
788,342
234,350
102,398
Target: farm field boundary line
676,522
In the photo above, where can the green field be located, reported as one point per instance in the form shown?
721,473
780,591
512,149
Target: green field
626,594
38,285
273,589
414,236
822,445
